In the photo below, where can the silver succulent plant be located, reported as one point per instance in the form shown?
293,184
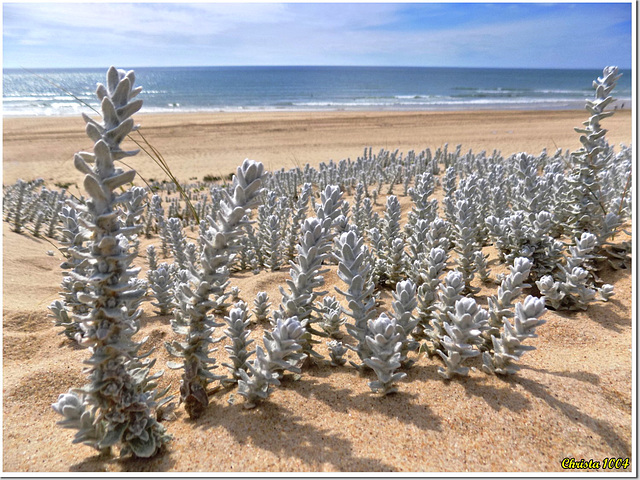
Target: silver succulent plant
194,298
120,399
508,348
282,352
384,342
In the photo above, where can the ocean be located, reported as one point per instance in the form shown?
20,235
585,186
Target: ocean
247,89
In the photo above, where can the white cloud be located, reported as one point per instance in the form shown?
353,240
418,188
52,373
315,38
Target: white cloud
266,33
47,21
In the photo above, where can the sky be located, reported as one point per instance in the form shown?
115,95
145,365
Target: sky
502,35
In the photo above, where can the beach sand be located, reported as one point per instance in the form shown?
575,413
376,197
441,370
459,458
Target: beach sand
195,145
571,399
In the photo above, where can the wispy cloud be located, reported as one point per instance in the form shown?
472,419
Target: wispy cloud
145,34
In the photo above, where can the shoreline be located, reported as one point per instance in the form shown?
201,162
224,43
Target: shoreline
337,112
566,106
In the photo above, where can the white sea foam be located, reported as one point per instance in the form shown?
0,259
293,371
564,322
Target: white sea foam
309,89
73,109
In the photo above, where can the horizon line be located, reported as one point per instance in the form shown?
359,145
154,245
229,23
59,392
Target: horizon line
313,66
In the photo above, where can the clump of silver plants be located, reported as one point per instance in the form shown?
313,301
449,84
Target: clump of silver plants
434,265
572,285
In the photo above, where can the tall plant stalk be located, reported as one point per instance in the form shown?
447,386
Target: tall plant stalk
196,297
117,406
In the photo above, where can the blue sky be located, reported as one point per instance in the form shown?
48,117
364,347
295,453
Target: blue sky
528,35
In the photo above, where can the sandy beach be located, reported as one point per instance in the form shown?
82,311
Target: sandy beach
571,399
195,145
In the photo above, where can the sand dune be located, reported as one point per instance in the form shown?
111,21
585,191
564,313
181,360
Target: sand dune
572,397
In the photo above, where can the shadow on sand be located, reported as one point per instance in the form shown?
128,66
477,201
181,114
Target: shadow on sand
276,429
161,462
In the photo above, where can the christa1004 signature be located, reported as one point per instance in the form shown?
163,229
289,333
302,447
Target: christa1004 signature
607,463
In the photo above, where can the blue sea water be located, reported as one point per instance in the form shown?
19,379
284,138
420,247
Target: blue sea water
190,89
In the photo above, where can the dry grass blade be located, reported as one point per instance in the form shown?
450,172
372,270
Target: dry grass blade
159,160
624,193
